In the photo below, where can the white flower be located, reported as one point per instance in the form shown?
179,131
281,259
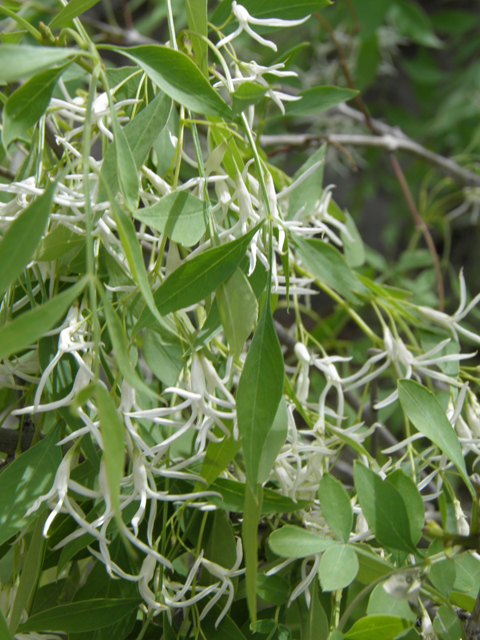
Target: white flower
451,322
245,20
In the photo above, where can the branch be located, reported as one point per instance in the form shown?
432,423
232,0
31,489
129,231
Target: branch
391,140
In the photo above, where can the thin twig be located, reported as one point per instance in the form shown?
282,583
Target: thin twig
6,173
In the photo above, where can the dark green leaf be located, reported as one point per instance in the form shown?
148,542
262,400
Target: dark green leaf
275,440
248,93
25,479
73,9
28,103
86,615
318,99
412,21
22,238
31,325
181,216
259,392
179,77
251,517
217,458
233,494
273,589
427,414
57,242
316,624
407,488
197,278
197,17
384,509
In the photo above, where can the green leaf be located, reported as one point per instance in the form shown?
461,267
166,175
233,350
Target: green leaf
285,10
316,623
25,479
259,392
28,327
412,21
29,60
126,169
181,216
251,517
384,509
381,602
293,542
352,243
134,255
220,547
318,99
57,242
164,360
4,630
217,458
371,14
338,567
273,589
112,429
336,506
73,9
86,615
407,488
141,133
275,440
309,191
372,566
233,494
179,77
377,627
248,93
238,309
31,570
197,278
447,624
120,347
197,17
28,103
428,416
328,265
226,630
22,237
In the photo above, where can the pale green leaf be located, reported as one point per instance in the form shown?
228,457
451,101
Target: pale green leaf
197,17
336,506
165,360
238,309
338,567
285,10
294,542
307,193
275,440
29,60
317,626
377,627
57,242
180,215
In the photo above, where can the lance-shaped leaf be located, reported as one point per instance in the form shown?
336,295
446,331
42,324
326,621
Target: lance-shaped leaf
238,309
22,238
318,99
141,133
197,278
259,392
113,446
87,615
28,103
285,10
294,542
428,416
126,168
25,479
29,60
179,77
31,325
73,9
197,17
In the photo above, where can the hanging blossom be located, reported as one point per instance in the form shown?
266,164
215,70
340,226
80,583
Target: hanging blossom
451,323
244,20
